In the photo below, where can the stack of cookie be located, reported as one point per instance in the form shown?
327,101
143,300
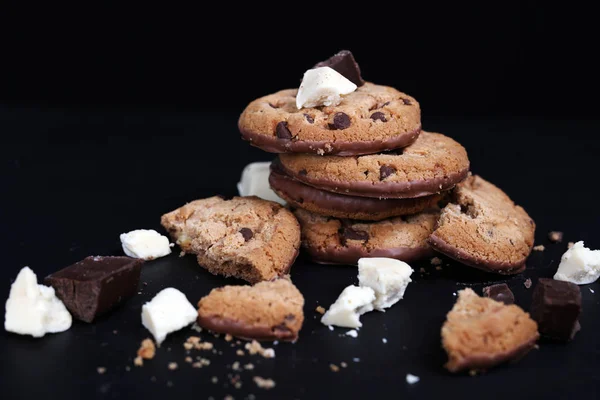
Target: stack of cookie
362,177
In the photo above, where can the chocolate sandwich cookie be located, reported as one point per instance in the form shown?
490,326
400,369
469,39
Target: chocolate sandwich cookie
299,195
245,237
337,241
432,164
369,120
483,228
266,311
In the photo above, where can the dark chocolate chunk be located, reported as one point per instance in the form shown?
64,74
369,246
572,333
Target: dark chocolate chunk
303,172
385,104
340,121
309,118
282,131
378,116
500,292
348,233
556,306
344,63
95,285
385,171
246,233
406,102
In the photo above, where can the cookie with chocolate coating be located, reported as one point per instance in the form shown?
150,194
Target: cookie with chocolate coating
371,119
330,240
432,164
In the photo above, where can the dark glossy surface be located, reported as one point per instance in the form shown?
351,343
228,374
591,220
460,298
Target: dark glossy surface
73,181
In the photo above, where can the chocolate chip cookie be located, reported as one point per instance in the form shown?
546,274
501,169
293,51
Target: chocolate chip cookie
432,164
371,119
300,195
266,311
337,241
245,237
483,228
480,333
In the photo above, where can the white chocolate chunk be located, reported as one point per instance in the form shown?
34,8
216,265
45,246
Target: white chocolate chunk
146,244
33,309
579,265
387,277
255,182
322,87
167,312
350,305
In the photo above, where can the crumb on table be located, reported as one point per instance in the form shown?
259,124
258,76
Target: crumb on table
101,370
172,366
147,349
334,367
555,236
436,261
320,310
138,361
228,338
539,247
264,383
527,283
255,348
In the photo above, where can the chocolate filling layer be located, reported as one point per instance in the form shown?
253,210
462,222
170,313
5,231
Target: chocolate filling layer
350,255
218,324
340,148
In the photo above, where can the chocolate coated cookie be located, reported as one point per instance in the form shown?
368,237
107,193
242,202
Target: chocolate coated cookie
337,241
432,164
484,228
369,120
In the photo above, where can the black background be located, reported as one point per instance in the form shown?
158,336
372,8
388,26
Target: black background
111,116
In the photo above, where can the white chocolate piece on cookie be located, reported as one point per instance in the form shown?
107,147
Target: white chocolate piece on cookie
322,86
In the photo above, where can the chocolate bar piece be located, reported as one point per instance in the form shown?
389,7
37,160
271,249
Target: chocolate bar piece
344,63
499,292
95,285
556,306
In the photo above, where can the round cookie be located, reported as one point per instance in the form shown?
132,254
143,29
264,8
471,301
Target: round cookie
483,228
432,164
299,195
337,241
369,120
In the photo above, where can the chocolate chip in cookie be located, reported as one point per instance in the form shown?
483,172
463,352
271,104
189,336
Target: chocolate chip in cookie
282,131
385,171
378,116
340,121
246,233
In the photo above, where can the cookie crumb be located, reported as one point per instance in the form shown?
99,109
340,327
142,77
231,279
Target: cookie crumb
555,236
436,261
173,366
412,379
320,152
352,333
189,359
240,352
472,372
320,310
570,244
343,364
138,362
127,368
147,349
196,327
438,268
255,348
334,367
228,338
188,346
237,385
527,283
101,370
235,366
249,366
264,383
539,247
422,270
228,397
214,379
181,253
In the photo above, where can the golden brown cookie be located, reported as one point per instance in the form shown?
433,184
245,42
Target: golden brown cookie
321,202
369,120
266,311
484,228
245,237
480,333
432,164
337,241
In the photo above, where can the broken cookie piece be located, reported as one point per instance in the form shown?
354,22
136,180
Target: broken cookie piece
480,333
245,237
484,228
266,311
